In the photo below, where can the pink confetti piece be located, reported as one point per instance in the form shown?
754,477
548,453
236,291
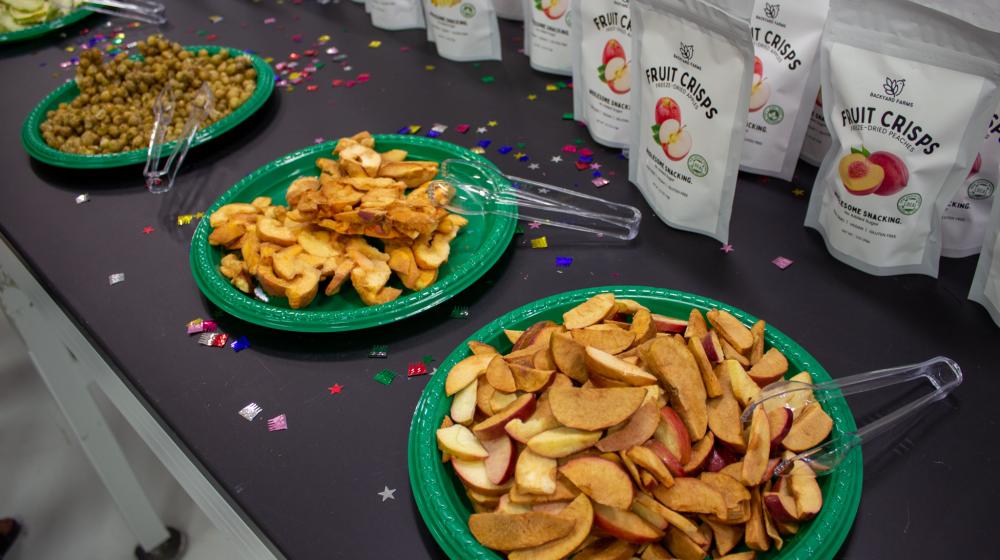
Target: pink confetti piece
727,248
362,78
462,128
600,181
534,225
312,87
296,38
782,262
585,152
415,369
277,423
569,148
269,21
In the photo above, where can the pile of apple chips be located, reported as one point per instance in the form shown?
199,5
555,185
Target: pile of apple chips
618,434
325,232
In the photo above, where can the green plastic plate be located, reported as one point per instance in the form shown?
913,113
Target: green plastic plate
477,247
441,497
43,28
34,144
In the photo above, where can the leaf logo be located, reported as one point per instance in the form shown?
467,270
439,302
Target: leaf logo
893,87
687,51
771,10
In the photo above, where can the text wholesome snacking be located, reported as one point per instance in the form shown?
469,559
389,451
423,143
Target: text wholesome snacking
366,216
618,434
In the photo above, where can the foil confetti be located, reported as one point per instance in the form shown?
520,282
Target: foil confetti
462,128
505,149
428,359
279,422
782,262
484,143
80,199
600,182
439,128
477,150
116,278
385,377
415,369
335,389
200,325
184,219
569,148
534,225
492,123
250,411
240,344
727,248
567,116
460,312
564,261
374,44
379,351
148,229
217,340
539,243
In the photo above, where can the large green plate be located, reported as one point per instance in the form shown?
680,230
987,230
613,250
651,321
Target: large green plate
34,144
473,252
441,498
43,28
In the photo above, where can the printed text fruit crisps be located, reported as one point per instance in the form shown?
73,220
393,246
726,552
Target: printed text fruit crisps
906,106
602,73
693,60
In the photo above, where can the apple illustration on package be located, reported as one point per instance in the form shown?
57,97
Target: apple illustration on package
976,166
760,91
553,9
668,131
880,173
614,68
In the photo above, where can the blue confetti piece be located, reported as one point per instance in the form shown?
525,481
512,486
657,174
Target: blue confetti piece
433,134
523,158
404,130
505,149
239,344
596,174
564,261
586,159
484,143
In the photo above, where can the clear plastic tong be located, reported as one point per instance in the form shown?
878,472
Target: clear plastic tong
163,110
471,188
943,373
141,10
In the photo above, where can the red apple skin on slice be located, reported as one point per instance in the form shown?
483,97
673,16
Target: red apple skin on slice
674,434
780,422
700,454
493,427
669,324
770,368
802,484
473,474
808,430
624,525
602,480
672,463
501,459
713,348
781,508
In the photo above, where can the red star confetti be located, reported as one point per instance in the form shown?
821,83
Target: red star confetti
782,262
147,230
279,422
539,243
727,248
416,368
595,165
335,389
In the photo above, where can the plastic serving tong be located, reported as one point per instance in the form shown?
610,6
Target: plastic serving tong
516,197
159,179
140,10
943,373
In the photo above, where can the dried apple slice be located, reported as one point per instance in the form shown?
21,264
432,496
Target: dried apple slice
500,400
614,368
696,326
640,427
590,312
534,473
481,348
562,442
727,537
757,350
529,379
536,335
770,368
809,429
458,441
744,388
511,531
708,376
563,492
473,475
500,460
268,229
731,329
758,449
463,406
736,496
512,335
498,375
690,495
540,421
647,459
701,452
624,524
642,326
724,417
608,338
676,368
780,422
806,491
581,513
568,356
681,545
465,372
675,519
602,480
594,409
755,534
493,427
732,354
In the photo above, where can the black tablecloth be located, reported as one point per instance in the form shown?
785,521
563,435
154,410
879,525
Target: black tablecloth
313,488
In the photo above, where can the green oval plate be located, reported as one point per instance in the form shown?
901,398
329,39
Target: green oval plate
43,28
441,497
34,144
477,247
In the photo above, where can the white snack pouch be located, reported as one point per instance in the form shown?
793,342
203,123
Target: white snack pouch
463,30
509,9
602,76
785,82
692,66
907,91
396,14
964,221
546,35
817,141
986,283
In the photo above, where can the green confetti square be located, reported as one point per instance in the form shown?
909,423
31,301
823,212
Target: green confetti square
567,116
385,377
561,85
460,312
578,141
488,79
520,145
428,359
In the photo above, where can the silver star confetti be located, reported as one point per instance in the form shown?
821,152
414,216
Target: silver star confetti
481,130
388,494
83,198
533,166
556,159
